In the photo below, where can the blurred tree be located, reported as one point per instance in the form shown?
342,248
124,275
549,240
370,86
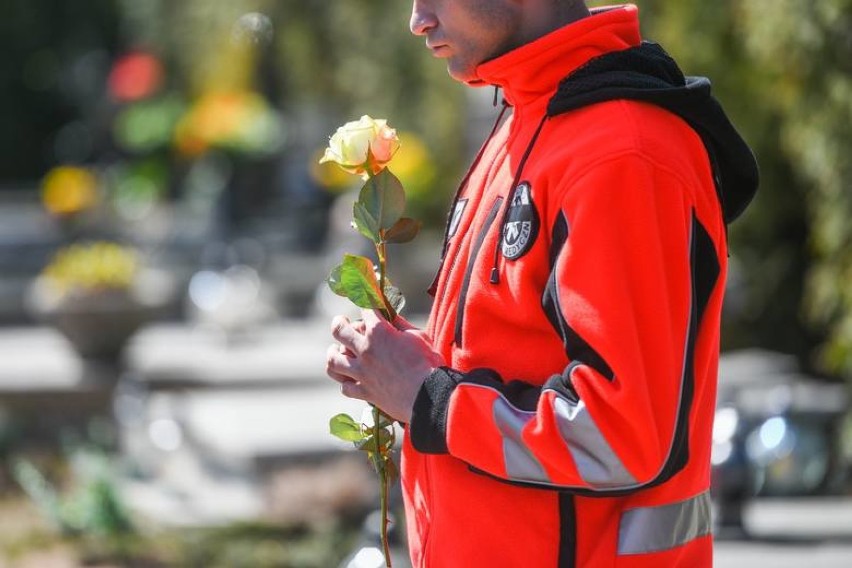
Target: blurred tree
783,72
55,60
806,49
352,58
320,62
324,63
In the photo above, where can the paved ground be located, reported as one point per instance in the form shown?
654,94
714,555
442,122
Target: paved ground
795,533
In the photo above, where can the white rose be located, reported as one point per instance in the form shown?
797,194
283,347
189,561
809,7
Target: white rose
362,147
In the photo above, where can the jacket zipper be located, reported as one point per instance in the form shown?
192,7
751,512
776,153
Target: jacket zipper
477,245
433,287
567,531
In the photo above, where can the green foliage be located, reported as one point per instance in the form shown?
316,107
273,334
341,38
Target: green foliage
377,215
148,125
42,493
783,73
40,42
258,545
813,94
375,439
355,278
380,205
346,428
239,545
327,60
92,508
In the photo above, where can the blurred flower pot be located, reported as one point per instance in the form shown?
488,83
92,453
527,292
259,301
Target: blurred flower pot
97,296
98,325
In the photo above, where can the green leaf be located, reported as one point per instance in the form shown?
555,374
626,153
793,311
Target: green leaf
365,223
344,427
355,278
383,198
368,443
403,231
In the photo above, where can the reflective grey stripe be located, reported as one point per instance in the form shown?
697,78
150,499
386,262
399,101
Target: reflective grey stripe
597,464
595,460
654,529
520,463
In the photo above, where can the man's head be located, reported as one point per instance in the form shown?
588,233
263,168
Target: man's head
469,32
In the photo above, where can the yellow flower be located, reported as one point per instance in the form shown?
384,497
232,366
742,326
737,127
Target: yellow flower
99,265
362,147
66,190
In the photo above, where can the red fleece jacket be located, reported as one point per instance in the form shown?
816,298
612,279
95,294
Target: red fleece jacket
578,307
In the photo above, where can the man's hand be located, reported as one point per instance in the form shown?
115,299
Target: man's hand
379,363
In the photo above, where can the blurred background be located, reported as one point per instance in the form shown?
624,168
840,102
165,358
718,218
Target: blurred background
165,231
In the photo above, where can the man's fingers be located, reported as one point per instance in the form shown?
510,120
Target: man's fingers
339,363
359,325
346,333
372,317
340,378
375,322
351,389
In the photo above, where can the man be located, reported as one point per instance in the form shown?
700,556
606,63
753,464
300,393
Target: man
559,404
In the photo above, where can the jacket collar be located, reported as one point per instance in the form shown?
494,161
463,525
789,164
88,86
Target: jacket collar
533,71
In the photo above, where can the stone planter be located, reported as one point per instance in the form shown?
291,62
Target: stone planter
99,323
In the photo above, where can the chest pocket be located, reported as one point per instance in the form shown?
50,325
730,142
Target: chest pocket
474,254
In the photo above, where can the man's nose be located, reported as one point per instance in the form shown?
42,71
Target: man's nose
422,18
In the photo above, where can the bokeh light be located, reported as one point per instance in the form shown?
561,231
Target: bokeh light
253,28
238,120
135,76
148,125
67,190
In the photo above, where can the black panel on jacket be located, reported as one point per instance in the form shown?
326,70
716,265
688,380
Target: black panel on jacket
647,73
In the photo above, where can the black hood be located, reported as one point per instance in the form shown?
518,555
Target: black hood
647,73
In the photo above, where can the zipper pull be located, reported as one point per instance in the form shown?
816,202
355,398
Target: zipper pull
495,275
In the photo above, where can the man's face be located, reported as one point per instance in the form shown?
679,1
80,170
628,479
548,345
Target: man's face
467,32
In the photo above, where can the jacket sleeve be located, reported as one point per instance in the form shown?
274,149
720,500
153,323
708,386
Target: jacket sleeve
632,269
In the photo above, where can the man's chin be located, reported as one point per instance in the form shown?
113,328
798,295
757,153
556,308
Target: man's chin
465,75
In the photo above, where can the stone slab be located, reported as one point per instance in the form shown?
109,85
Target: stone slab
184,356
244,426
39,360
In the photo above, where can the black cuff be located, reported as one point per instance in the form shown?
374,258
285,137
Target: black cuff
562,383
428,426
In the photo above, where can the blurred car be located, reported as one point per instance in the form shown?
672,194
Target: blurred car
777,433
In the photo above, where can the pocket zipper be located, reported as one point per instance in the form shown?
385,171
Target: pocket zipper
477,245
